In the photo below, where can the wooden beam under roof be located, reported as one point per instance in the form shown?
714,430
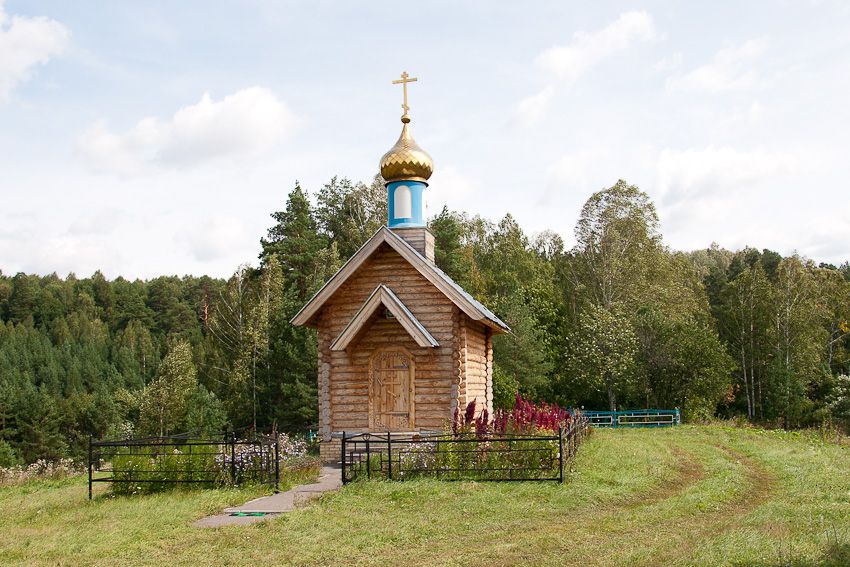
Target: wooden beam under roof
383,296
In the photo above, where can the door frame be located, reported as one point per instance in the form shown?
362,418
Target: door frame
411,387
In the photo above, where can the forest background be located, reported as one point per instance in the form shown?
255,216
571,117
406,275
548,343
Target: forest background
617,321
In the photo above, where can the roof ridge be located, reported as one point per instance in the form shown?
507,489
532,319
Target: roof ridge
459,296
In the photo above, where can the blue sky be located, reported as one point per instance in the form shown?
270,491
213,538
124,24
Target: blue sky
155,138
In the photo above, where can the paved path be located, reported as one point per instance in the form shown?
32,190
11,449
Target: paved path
280,503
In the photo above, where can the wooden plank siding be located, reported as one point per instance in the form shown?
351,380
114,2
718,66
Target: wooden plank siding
348,380
384,237
449,375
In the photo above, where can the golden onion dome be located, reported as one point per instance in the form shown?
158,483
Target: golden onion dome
406,161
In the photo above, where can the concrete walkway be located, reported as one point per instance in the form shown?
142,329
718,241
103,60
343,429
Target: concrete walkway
330,479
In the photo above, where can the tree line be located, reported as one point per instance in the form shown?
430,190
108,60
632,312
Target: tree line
617,321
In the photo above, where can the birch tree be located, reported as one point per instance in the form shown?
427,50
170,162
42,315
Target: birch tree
617,245
232,335
164,401
798,317
750,298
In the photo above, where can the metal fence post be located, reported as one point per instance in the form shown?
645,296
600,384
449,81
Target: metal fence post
368,458
90,465
571,443
342,457
276,461
389,457
561,453
232,457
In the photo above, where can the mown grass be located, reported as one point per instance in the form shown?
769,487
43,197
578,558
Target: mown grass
691,496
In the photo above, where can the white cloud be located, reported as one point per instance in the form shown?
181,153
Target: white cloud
248,121
24,43
587,49
449,186
695,174
102,222
706,194
669,63
532,109
568,62
826,237
214,239
29,249
731,69
581,172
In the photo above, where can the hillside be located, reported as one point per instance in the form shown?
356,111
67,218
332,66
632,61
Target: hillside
617,320
706,495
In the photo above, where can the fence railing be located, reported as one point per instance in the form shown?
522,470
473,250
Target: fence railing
492,457
182,459
635,418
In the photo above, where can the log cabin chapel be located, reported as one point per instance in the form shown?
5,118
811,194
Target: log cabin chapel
401,345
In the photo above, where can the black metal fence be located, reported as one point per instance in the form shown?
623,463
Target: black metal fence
493,457
155,462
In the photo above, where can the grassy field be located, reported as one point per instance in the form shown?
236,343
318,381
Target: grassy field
691,496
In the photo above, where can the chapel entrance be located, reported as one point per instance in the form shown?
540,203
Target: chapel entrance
391,372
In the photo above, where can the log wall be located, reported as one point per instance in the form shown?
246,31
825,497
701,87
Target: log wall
477,365
347,384
456,372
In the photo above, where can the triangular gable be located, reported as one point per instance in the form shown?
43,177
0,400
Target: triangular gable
384,296
437,277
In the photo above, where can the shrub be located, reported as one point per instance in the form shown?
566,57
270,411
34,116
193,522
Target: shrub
839,400
39,470
511,445
528,418
525,418
291,447
154,469
8,457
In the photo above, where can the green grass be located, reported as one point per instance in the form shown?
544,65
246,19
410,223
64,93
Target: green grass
691,496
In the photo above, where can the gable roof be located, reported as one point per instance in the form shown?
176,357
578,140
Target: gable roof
384,296
431,272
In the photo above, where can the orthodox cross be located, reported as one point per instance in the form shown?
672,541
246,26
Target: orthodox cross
405,78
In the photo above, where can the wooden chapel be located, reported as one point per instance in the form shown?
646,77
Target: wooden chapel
401,345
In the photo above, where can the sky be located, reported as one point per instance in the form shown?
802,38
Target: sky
155,138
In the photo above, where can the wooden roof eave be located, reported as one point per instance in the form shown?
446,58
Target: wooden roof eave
308,313
383,296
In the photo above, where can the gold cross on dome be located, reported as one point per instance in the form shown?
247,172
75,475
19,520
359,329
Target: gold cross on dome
405,78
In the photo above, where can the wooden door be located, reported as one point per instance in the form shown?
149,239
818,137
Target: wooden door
391,373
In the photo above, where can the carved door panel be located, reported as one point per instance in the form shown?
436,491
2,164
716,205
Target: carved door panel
391,390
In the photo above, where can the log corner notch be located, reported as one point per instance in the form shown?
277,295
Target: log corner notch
383,296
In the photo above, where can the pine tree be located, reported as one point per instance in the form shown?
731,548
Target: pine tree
350,213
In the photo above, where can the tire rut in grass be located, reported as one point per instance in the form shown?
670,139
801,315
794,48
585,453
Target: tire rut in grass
762,484
681,538
689,471
762,480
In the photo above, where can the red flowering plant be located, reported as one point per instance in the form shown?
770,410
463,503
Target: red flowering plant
469,422
505,444
525,418
528,418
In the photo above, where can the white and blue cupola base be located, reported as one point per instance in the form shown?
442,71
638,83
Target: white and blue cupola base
404,200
